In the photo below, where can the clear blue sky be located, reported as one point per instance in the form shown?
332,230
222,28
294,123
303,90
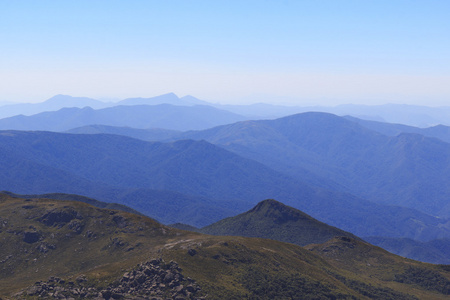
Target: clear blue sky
302,52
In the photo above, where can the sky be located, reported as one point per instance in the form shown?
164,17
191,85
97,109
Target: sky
311,52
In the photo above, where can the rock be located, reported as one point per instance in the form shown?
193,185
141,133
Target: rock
120,221
31,237
59,217
150,280
81,278
76,226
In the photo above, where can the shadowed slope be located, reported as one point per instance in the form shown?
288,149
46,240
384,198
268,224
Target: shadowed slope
274,220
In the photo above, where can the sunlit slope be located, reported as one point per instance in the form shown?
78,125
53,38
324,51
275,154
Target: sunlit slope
43,237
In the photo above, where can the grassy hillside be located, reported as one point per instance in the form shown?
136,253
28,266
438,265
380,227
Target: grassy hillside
73,247
274,220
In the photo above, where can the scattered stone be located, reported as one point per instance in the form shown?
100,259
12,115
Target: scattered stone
76,226
154,279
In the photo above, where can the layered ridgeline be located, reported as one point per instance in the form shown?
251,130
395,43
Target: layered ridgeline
413,115
64,249
165,116
434,251
64,101
441,132
150,134
273,220
408,170
386,163
187,181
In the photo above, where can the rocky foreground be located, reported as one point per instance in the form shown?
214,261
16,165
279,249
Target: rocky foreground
154,279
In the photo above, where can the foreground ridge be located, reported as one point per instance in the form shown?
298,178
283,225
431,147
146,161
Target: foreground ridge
74,250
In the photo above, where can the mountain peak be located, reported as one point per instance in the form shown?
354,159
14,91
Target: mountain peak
268,203
169,98
277,211
60,101
277,221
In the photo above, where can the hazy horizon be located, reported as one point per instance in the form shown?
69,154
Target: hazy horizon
282,52
281,101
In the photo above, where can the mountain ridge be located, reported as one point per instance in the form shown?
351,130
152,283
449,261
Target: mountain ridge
219,182
164,116
348,156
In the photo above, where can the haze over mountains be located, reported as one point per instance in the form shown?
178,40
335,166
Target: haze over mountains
409,169
64,101
413,115
112,168
138,116
167,157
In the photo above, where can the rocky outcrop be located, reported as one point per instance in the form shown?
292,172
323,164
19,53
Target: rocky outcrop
154,279
60,217
31,237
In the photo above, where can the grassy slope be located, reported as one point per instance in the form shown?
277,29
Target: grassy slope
274,220
72,238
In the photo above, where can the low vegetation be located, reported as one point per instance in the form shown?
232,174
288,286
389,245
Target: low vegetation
75,242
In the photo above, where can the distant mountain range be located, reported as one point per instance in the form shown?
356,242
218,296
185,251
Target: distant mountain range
435,251
187,181
170,98
65,101
55,103
420,116
441,132
387,163
207,161
152,134
409,170
347,155
164,116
